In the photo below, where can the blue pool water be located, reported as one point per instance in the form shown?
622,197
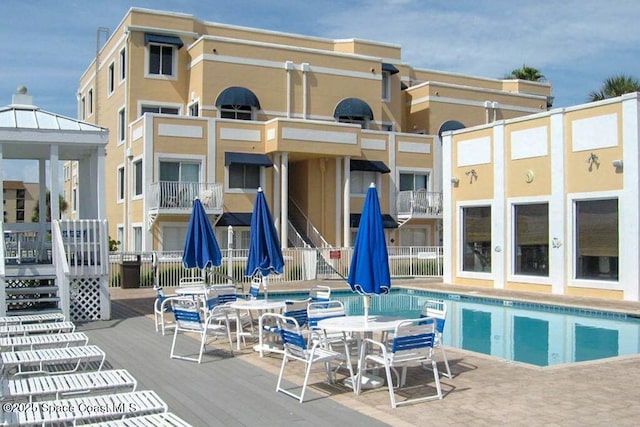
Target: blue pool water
534,333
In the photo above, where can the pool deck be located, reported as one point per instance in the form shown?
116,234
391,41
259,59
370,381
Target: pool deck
240,390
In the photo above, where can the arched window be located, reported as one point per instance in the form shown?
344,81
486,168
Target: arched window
237,103
353,110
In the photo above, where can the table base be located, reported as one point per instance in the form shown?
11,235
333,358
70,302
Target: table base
368,382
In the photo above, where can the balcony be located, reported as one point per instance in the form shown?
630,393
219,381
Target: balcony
419,204
174,197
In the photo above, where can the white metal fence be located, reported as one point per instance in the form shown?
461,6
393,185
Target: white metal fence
130,269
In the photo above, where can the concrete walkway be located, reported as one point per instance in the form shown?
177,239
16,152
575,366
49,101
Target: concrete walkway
484,390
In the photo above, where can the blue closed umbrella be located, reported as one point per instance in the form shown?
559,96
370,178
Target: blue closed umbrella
200,247
369,271
265,254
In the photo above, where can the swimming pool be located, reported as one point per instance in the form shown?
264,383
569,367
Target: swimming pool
534,333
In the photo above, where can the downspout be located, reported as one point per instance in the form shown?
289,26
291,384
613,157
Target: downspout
495,107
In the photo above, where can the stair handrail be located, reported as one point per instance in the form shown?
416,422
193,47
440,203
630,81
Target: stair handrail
61,267
295,237
312,232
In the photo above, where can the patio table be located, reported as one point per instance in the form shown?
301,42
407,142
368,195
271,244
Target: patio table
362,325
258,306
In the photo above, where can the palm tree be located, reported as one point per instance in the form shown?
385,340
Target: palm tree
526,73
63,205
616,86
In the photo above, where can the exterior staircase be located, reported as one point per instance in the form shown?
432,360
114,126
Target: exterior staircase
31,290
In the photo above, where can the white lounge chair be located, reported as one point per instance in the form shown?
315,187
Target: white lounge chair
50,360
39,387
35,341
37,328
167,419
32,318
78,410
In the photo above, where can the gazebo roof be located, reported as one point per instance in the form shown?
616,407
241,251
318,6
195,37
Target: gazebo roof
26,132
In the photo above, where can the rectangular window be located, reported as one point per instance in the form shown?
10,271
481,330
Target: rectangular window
74,200
120,237
161,59
122,125
531,235
137,239
90,101
123,64
386,86
236,112
360,181
111,78
83,106
245,177
121,183
414,181
597,239
194,110
476,239
158,109
137,178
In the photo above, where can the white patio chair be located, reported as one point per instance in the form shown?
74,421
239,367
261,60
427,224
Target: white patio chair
411,345
317,311
437,308
49,360
161,307
319,293
189,318
295,348
35,341
269,331
40,387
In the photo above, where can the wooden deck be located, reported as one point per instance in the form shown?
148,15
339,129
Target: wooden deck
224,390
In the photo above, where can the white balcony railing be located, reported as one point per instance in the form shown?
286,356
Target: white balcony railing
172,195
419,204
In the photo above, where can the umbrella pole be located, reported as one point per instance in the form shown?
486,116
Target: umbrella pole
265,286
367,300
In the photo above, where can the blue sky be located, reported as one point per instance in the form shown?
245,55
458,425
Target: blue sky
576,44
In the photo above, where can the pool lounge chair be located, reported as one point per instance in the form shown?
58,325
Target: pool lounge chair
32,318
167,419
80,410
39,387
35,341
37,328
59,360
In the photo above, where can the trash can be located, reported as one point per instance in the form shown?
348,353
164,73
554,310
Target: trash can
130,273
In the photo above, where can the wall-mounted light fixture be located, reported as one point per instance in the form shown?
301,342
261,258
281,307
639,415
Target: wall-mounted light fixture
617,164
455,181
473,175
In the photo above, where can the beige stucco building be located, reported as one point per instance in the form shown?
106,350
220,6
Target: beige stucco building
20,199
197,108
547,203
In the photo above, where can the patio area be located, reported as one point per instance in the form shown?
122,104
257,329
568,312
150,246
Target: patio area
240,390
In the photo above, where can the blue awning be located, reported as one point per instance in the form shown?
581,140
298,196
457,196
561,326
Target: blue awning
368,165
389,68
238,96
353,107
235,219
450,125
387,221
162,39
247,159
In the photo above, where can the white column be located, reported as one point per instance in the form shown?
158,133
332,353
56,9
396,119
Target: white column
100,156
277,196
42,200
628,205
288,65
338,216
346,202
284,199
557,207
55,182
449,212
498,209
305,90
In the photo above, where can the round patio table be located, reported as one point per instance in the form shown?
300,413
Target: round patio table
258,306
